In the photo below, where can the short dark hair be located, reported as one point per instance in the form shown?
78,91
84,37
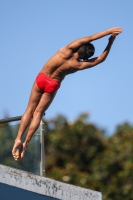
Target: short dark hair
86,51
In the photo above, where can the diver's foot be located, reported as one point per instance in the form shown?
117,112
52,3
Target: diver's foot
17,150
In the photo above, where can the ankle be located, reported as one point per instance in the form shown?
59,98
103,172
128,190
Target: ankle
18,139
25,144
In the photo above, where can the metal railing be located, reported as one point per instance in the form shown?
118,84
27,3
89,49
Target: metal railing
42,154
12,119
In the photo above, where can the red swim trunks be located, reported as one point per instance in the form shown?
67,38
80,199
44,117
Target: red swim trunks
46,84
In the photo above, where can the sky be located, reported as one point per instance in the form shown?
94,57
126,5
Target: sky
32,31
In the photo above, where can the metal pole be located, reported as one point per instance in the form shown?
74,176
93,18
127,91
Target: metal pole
10,119
42,162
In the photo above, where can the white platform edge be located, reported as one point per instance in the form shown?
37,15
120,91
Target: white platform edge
45,186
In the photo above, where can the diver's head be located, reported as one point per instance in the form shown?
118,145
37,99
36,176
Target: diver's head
86,51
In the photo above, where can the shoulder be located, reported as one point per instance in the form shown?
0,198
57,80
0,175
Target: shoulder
65,51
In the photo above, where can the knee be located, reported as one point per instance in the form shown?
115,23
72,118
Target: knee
38,113
30,111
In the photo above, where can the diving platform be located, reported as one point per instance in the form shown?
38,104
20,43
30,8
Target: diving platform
22,185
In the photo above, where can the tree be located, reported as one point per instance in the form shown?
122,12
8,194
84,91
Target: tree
116,169
71,148
79,154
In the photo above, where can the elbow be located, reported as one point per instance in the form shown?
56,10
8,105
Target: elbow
102,59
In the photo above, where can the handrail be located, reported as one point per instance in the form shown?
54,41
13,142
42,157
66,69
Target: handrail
10,119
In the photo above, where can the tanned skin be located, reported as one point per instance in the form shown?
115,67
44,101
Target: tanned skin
64,62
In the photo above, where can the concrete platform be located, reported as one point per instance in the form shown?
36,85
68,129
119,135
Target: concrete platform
22,185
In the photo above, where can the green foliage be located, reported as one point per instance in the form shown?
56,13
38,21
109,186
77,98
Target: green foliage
79,154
